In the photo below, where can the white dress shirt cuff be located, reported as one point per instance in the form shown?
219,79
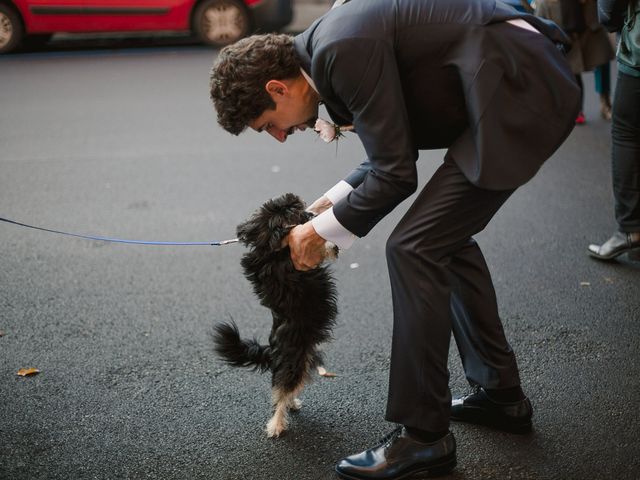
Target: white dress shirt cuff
339,191
328,227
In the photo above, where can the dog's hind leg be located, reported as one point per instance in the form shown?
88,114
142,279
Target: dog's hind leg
280,420
283,401
295,405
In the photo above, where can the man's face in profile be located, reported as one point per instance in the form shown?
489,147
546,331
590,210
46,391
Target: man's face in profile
296,108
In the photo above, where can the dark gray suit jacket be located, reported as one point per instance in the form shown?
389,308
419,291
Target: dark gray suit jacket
611,13
427,74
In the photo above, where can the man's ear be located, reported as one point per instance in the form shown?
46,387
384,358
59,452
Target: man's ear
276,88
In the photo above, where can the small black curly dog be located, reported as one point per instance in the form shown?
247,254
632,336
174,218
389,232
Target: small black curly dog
303,306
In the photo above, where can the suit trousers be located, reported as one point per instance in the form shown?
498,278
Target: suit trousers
440,283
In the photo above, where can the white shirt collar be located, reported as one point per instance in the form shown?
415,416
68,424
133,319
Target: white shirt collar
309,80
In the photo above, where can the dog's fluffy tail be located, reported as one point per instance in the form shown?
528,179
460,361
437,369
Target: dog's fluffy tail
238,352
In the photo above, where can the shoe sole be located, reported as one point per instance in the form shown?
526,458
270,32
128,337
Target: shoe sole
433,471
634,253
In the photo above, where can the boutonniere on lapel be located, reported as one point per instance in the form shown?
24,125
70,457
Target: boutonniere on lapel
329,132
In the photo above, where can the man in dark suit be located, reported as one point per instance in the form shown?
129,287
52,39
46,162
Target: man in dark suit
474,76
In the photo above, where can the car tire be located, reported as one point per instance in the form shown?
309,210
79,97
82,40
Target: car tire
221,22
11,29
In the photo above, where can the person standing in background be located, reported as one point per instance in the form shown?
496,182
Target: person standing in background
624,16
602,76
590,47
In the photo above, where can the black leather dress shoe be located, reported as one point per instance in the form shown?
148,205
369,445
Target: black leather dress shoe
618,244
399,457
513,417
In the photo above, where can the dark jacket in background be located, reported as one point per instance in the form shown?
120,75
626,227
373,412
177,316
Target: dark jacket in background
611,13
572,12
614,14
591,46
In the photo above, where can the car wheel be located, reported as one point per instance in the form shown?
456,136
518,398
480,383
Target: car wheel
11,30
221,22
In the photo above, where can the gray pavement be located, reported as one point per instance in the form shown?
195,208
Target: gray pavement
124,143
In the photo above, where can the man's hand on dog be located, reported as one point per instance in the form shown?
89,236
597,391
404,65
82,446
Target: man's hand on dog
307,247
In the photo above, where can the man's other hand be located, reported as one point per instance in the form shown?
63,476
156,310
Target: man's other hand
320,205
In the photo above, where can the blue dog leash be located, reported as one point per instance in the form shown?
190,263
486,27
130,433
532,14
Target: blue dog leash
118,240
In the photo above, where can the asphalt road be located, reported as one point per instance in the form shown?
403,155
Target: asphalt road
124,143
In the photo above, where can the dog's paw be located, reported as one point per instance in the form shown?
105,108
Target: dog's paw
330,251
295,405
275,427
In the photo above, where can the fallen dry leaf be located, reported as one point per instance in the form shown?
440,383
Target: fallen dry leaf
323,373
24,372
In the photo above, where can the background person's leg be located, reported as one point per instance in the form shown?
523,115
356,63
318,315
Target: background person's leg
625,132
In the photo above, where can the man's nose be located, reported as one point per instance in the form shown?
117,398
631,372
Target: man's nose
278,134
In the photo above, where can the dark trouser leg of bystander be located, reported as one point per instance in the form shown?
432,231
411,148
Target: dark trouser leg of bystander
625,132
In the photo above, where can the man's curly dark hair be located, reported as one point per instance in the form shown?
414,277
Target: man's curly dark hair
240,73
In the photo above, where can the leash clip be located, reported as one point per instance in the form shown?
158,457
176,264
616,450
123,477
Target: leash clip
227,242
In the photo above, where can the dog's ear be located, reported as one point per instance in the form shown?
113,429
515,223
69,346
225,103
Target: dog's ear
278,234
265,230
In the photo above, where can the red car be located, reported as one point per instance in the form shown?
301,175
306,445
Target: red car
215,22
